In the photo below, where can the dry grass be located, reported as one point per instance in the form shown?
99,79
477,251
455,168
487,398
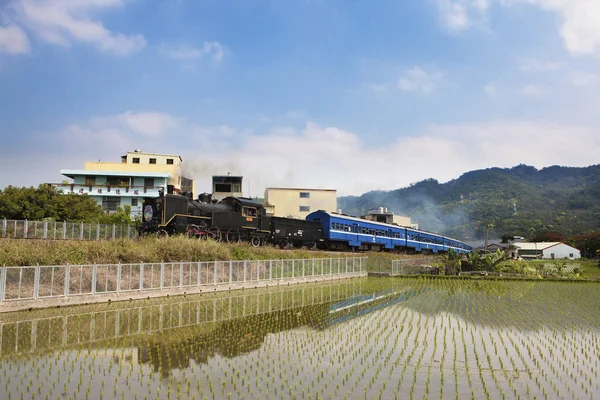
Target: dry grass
15,252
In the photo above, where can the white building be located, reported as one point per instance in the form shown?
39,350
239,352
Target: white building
547,250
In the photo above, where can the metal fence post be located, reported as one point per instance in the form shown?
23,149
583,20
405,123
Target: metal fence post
45,229
270,270
293,268
81,231
94,272
141,277
2,282
25,227
230,272
118,278
162,274
114,229
215,277
330,266
199,275
36,282
313,267
67,279
4,227
180,275
98,231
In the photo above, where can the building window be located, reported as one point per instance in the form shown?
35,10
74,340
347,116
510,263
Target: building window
222,188
134,202
570,255
304,208
110,203
136,160
149,182
153,161
90,180
169,161
304,195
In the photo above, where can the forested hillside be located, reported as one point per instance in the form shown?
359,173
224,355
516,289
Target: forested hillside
519,201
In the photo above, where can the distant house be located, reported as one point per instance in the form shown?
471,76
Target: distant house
547,250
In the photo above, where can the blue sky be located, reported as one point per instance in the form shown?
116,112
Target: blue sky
348,94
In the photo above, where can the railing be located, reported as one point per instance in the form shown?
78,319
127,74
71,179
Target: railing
104,189
24,229
44,282
412,266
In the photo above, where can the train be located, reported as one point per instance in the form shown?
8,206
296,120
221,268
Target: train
240,219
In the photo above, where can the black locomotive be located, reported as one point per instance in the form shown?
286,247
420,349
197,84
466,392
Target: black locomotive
232,219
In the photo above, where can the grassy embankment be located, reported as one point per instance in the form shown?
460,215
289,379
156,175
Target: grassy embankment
172,249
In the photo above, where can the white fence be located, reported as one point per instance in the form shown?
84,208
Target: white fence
43,282
24,229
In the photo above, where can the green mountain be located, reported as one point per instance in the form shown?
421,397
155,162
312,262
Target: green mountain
521,201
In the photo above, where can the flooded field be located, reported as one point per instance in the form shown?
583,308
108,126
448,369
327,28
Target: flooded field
366,338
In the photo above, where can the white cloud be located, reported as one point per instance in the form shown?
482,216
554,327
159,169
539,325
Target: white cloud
580,23
64,22
583,79
13,40
531,90
329,157
315,156
149,123
212,50
418,79
459,15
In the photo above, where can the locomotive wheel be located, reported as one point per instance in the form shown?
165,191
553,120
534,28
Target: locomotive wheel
193,231
214,233
283,244
161,233
255,241
232,236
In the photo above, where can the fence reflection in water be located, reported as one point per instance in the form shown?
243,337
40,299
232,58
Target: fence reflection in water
76,326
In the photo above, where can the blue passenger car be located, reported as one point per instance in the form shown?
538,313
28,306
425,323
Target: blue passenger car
342,232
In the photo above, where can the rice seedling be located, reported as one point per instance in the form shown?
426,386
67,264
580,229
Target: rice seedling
373,338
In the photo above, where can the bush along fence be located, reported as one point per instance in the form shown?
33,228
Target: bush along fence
86,281
24,229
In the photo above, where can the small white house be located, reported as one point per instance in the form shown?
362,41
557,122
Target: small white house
547,250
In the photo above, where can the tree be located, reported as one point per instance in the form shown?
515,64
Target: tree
45,202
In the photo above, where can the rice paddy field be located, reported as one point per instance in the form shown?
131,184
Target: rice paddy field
364,338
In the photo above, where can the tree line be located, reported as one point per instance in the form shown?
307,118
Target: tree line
46,203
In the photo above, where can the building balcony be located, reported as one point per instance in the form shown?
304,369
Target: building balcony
108,190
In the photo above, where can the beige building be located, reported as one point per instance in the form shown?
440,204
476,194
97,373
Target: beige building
298,203
140,162
382,214
225,186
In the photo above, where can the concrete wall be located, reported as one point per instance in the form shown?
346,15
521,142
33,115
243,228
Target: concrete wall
287,202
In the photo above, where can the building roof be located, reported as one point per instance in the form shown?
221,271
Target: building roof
152,154
536,246
71,173
288,188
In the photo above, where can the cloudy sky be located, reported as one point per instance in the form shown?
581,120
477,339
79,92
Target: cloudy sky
355,95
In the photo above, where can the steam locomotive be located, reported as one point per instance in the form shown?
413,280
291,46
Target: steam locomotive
236,219
232,219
